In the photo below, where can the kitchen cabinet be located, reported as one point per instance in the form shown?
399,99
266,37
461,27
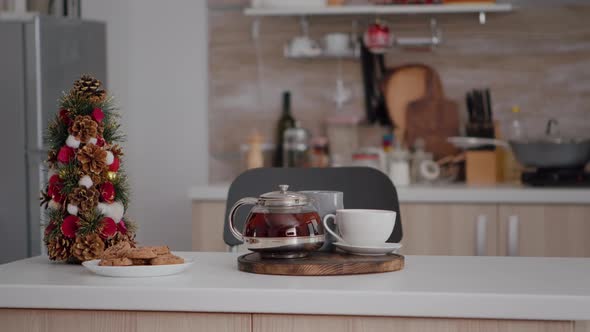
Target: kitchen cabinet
456,229
449,229
307,323
149,321
544,230
121,321
208,218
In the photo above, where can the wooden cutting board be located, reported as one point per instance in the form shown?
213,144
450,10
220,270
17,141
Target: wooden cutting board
321,264
404,85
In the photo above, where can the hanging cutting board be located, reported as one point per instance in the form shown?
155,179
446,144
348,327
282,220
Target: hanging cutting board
321,264
433,118
403,85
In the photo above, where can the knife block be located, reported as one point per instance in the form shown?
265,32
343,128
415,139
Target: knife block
483,167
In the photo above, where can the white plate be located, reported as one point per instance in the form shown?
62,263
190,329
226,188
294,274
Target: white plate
139,271
386,248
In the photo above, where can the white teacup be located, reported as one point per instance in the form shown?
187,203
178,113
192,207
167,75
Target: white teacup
362,227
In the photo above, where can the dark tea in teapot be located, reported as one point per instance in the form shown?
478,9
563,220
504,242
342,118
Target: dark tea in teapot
274,224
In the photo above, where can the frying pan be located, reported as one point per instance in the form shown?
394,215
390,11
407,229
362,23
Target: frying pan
540,154
552,151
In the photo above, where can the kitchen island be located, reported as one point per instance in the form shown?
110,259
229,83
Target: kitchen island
432,293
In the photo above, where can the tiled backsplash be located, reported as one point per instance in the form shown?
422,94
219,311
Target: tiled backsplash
535,57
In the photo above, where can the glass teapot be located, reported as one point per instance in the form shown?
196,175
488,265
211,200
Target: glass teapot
282,224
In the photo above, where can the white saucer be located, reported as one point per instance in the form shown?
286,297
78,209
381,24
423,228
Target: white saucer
385,248
138,271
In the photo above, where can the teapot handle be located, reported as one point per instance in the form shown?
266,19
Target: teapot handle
232,213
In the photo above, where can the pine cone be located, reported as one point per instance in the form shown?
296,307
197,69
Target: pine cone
88,247
59,248
97,178
85,198
84,128
88,87
129,237
52,157
92,159
117,150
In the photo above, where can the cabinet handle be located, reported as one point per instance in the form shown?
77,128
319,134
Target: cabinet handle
481,231
513,226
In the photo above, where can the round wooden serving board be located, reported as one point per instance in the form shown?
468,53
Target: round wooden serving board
320,264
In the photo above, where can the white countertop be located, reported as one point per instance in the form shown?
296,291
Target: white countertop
455,193
429,286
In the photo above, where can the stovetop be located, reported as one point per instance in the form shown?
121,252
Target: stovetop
557,177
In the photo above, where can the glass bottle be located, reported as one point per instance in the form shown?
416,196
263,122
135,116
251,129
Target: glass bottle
286,121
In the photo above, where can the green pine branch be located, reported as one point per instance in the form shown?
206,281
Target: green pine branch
56,216
70,177
56,135
112,133
131,226
122,188
89,223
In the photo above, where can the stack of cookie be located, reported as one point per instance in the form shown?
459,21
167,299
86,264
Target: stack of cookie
122,254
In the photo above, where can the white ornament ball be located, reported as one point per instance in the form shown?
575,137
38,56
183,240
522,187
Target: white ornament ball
85,181
73,209
102,208
110,158
54,205
114,210
72,142
117,211
92,140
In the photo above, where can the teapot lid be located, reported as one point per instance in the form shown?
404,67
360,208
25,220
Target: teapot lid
283,197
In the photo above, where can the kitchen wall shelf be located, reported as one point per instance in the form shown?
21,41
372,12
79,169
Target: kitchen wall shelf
380,10
352,55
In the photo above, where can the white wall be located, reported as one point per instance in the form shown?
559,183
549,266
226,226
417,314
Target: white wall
157,70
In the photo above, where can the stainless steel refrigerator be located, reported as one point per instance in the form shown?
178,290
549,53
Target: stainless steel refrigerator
40,57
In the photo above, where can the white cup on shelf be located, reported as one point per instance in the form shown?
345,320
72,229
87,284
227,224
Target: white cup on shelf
337,43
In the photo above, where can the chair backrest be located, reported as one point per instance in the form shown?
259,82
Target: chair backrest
363,188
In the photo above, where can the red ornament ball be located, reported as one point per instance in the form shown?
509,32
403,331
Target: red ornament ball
50,227
100,141
55,193
54,189
65,154
64,117
54,179
70,226
115,165
107,192
108,228
122,227
97,114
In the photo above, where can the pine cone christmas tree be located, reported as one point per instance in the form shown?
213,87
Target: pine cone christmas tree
88,87
59,248
87,194
88,247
